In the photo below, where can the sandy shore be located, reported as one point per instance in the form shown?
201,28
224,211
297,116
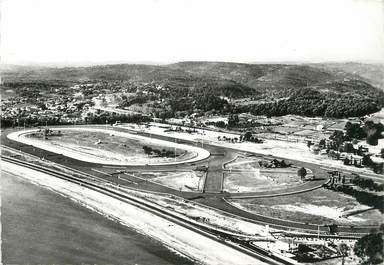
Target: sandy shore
189,243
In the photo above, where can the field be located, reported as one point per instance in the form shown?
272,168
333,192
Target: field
111,146
178,180
284,148
245,175
316,207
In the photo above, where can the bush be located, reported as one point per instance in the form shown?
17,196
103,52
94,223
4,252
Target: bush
302,172
370,248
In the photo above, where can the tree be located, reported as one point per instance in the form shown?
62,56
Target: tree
233,120
41,105
322,143
372,139
338,137
370,248
247,136
220,124
302,172
367,161
147,150
373,131
353,130
344,251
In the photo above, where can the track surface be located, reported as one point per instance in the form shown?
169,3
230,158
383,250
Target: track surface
212,196
241,245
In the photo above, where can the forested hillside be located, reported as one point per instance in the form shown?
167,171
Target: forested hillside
270,89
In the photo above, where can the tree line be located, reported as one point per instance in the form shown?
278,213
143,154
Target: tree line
366,183
160,153
35,121
362,197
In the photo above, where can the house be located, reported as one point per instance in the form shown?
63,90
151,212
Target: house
362,150
347,147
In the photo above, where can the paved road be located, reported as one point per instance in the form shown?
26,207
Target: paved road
215,175
213,186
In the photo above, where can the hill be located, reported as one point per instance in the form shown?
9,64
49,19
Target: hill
276,84
371,73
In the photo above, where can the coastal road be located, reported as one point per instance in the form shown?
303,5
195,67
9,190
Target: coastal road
213,184
261,256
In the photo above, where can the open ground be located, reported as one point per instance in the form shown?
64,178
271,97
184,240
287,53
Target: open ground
185,179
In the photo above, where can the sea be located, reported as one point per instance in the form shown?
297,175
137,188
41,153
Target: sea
40,226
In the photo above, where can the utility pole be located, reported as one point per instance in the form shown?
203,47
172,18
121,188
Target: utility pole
318,232
175,149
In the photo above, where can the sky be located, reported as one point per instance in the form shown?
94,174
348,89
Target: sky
161,31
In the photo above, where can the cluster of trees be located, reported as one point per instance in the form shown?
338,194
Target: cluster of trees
365,161
110,118
218,124
209,101
248,137
362,197
370,248
195,97
7,122
370,130
44,133
138,99
341,143
316,107
310,102
160,153
48,132
376,167
35,121
228,139
338,138
275,163
354,131
233,122
194,101
366,183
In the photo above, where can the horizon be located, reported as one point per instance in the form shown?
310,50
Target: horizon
166,31
90,64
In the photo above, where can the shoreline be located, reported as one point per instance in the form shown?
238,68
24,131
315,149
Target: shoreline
175,237
66,232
